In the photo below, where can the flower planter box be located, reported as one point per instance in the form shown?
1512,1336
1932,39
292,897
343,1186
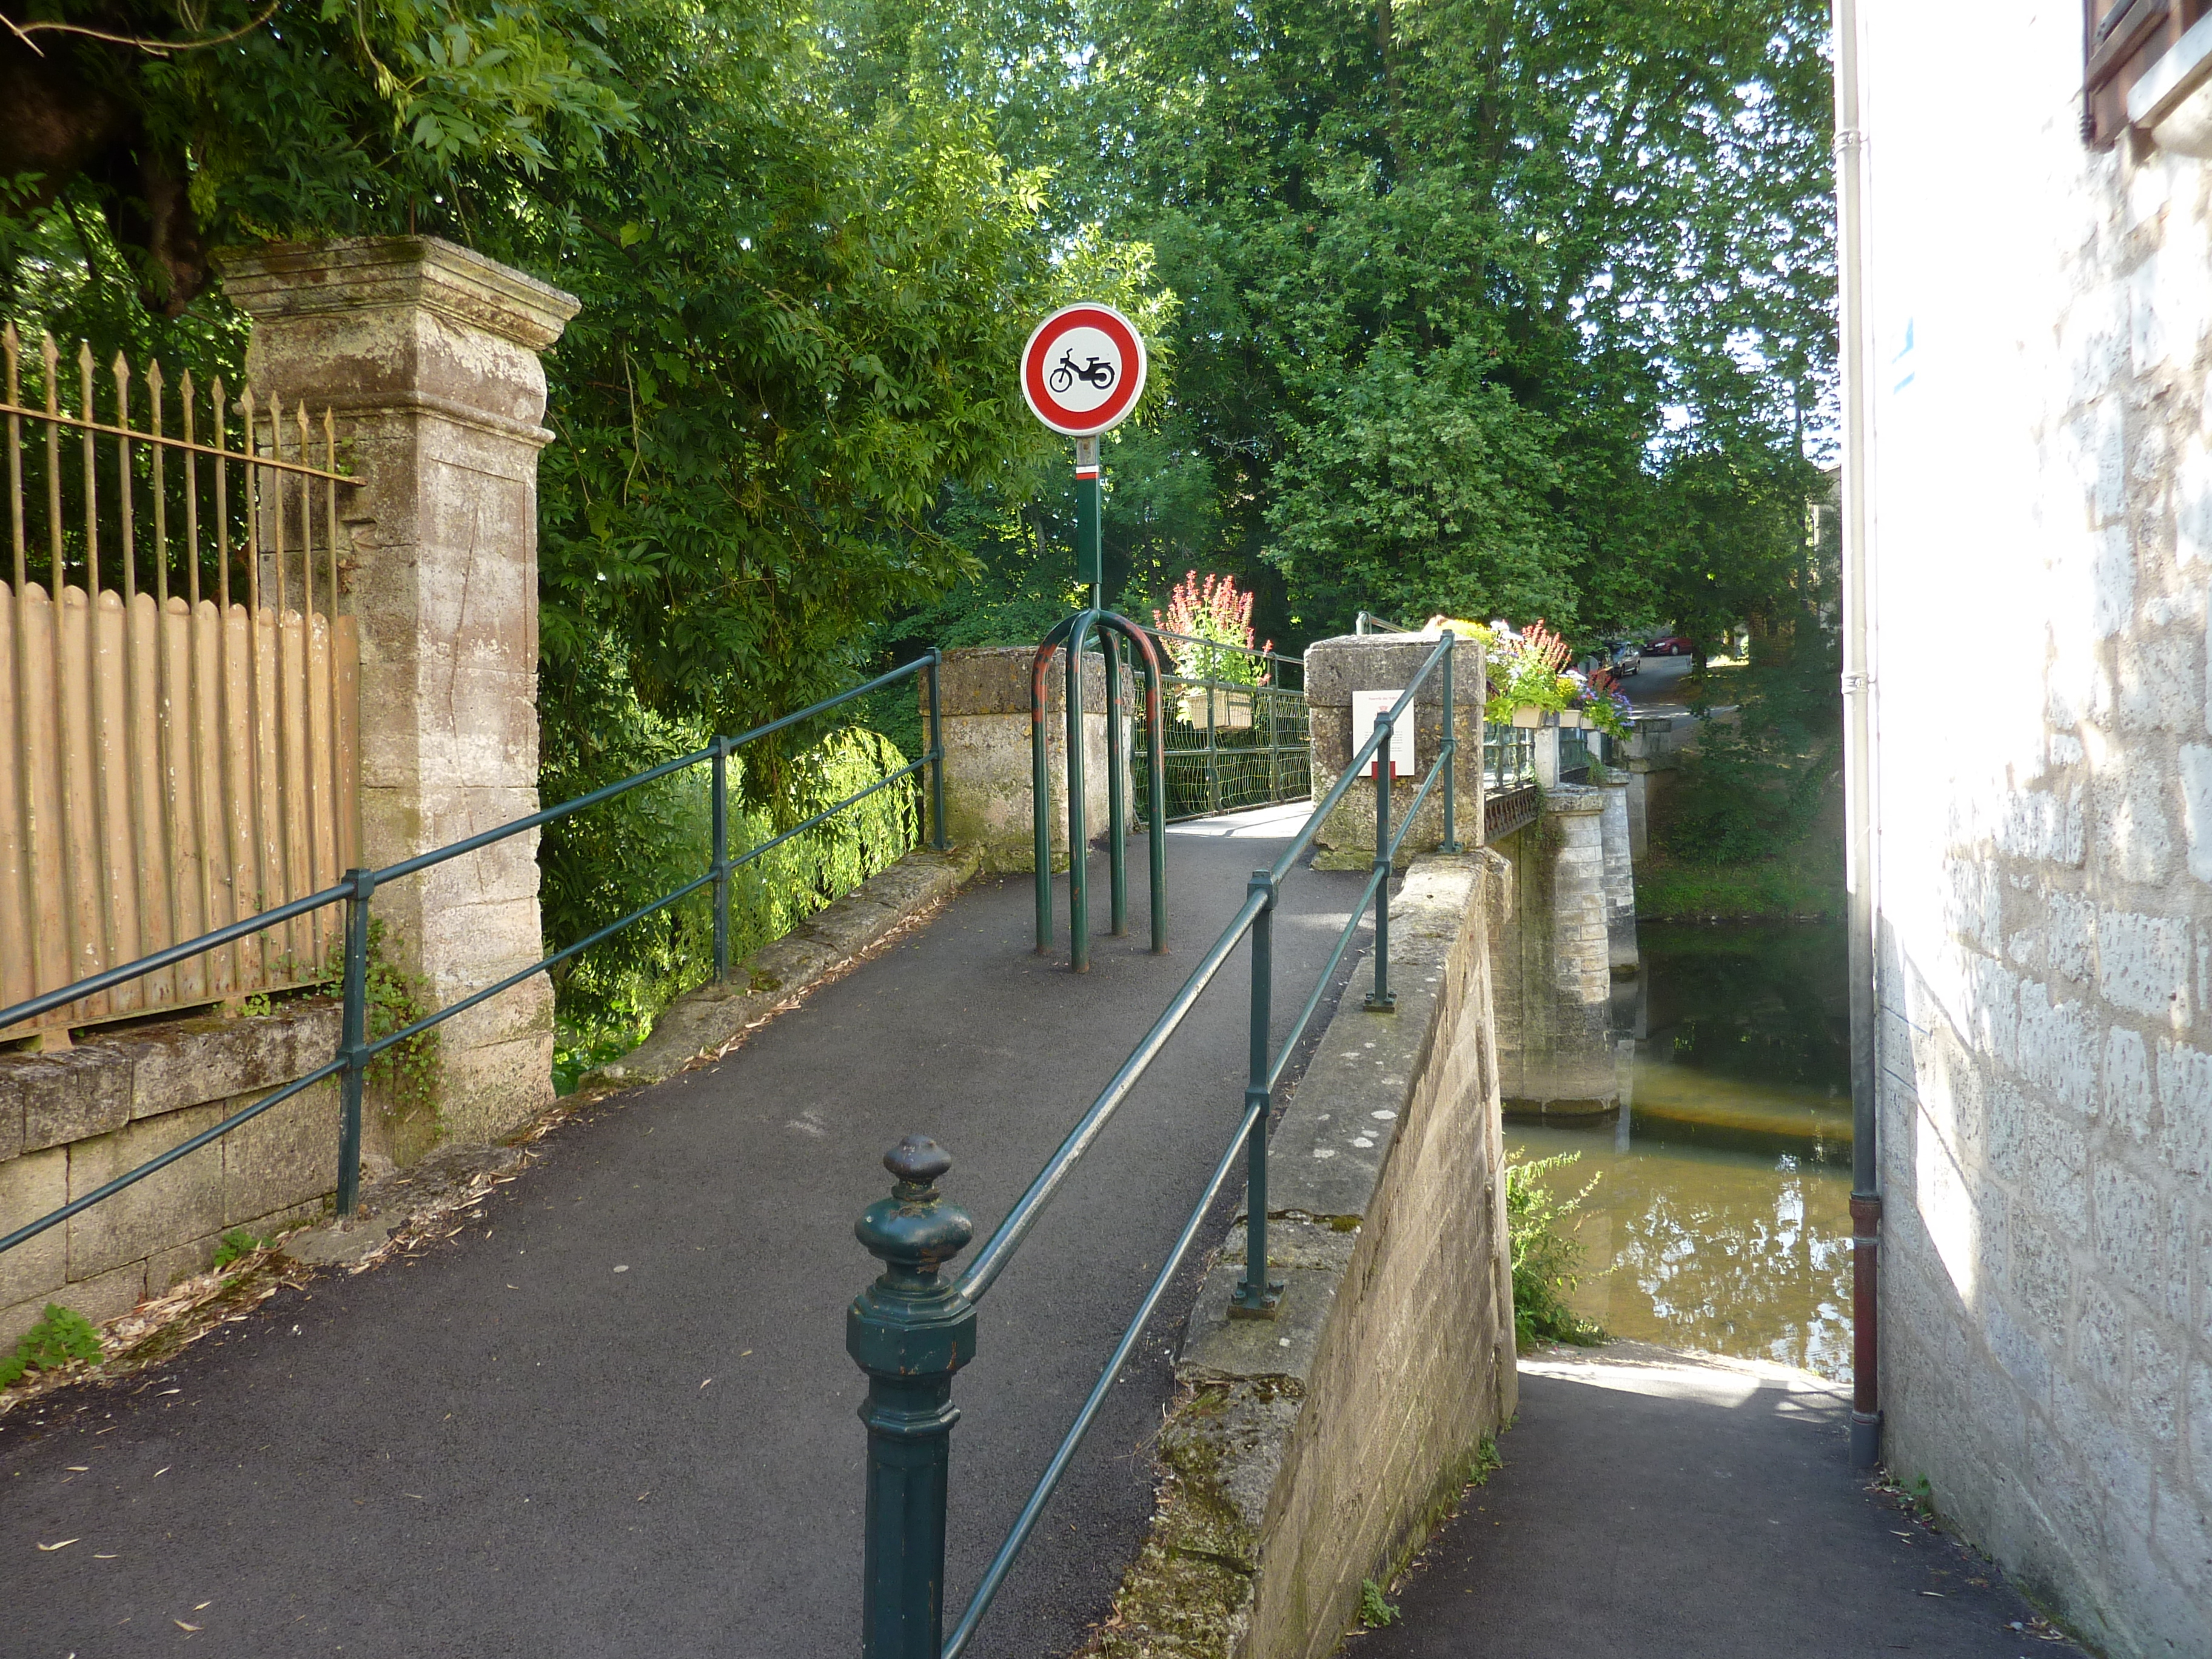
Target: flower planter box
1231,710
1569,719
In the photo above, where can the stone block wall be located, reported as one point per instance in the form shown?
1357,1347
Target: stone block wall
71,1122
2042,477
1321,1445
988,766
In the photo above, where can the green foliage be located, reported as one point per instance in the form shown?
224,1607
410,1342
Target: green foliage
1374,1611
1495,306
1546,1254
395,1000
60,1336
237,1242
1753,788
622,854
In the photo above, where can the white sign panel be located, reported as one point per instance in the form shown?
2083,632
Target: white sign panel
1368,707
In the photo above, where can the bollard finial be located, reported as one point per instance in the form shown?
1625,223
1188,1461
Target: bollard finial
914,1232
917,1161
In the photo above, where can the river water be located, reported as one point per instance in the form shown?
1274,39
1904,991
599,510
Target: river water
1719,1219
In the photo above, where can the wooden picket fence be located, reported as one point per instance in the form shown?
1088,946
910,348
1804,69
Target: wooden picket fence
177,753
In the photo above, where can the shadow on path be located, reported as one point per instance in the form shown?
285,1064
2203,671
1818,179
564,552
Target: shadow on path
615,1415
1657,1506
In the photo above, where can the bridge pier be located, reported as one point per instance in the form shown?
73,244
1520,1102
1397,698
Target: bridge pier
1619,870
1551,962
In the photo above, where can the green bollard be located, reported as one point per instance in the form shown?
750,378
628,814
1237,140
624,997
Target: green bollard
909,1332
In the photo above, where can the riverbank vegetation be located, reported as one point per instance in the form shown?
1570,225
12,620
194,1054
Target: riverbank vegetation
1548,1257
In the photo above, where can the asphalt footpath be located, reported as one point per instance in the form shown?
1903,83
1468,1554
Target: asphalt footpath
615,1415
1655,1505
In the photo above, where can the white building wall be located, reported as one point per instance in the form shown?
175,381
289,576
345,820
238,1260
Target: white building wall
2041,545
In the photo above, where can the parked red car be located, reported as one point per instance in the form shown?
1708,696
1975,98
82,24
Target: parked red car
1675,645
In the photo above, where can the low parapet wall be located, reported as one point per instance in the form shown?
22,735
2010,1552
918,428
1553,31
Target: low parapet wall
1318,1449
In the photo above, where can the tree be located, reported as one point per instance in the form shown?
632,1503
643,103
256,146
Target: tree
1472,296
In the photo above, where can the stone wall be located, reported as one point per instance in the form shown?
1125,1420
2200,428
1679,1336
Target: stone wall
2042,511
71,1122
1335,669
1320,1447
988,763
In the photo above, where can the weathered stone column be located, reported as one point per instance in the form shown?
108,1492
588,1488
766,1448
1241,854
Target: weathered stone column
1377,662
429,355
1567,1061
1546,758
985,702
1619,869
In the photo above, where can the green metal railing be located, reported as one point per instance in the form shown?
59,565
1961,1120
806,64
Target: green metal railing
1575,755
1229,743
912,1329
356,1050
1368,622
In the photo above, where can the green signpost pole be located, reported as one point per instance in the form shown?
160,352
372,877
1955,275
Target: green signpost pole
1081,373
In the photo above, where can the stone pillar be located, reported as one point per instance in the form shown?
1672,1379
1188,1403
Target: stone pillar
1567,1064
1619,870
1375,662
429,355
985,702
1547,758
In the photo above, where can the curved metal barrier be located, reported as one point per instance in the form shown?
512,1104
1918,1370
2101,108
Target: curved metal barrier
356,1049
912,1329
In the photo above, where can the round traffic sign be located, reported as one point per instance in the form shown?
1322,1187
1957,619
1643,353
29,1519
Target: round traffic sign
1084,369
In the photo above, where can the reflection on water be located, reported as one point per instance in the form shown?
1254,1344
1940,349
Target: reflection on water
1721,1216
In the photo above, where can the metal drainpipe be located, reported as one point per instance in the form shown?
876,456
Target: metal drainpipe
1853,360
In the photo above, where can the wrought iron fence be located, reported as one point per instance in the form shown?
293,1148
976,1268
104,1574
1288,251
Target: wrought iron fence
356,1049
1575,755
1234,735
1509,795
177,698
912,1328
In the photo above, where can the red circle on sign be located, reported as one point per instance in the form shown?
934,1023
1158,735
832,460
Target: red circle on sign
1076,383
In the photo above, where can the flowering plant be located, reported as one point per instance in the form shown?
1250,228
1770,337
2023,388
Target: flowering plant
1527,671
1530,670
1215,613
1606,706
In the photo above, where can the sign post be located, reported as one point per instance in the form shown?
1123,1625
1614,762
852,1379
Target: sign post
1082,374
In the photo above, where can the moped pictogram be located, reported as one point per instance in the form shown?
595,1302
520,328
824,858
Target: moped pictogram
1065,373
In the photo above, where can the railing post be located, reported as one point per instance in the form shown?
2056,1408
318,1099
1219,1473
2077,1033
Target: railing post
721,860
1213,746
1380,1000
937,835
353,1038
1117,782
1041,795
1257,1296
1449,758
909,1333
1078,827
